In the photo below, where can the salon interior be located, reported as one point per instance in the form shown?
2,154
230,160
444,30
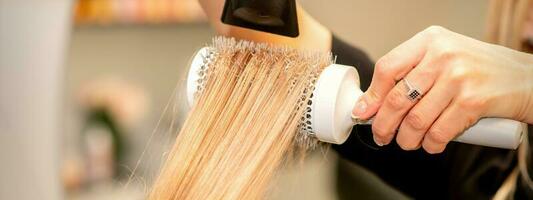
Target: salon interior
86,87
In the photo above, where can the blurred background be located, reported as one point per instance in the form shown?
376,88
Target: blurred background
117,66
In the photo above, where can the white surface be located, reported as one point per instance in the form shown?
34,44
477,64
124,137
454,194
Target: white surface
32,39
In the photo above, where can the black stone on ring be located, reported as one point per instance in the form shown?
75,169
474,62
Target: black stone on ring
413,93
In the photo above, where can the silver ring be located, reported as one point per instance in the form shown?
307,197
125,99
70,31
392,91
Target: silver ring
413,93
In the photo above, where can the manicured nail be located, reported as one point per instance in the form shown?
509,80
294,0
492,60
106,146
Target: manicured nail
377,141
355,117
360,109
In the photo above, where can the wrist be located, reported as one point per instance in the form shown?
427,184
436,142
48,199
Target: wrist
523,107
528,112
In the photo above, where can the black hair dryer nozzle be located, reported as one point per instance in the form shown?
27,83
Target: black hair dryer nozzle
273,16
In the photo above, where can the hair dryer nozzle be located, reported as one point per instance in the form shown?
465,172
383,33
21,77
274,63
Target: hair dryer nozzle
272,16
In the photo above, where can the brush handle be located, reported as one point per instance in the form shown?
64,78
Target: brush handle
493,132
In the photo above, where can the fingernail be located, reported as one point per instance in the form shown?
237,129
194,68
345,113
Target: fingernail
355,117
360,109
377,141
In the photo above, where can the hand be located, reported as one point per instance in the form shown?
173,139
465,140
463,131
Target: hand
462,80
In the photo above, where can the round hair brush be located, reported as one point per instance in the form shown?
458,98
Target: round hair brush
328,114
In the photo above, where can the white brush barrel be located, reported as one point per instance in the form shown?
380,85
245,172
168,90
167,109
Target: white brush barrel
334,96
337,91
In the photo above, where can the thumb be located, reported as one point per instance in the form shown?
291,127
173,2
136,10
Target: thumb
369,103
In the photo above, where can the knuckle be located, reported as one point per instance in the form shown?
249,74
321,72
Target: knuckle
435,31
436,135
457,75
396,99
416,121
472,103
435,28
444,50
382,67
446,53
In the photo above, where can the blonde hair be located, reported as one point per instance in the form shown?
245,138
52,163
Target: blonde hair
506,22
244,124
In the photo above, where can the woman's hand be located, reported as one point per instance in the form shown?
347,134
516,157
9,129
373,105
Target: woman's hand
462,80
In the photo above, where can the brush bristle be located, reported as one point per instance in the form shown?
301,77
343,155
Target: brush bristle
315,62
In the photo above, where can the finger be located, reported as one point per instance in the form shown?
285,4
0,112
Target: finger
420,118
388,70
453,121
397,104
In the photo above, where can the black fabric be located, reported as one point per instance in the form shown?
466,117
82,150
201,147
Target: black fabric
462,171
523,191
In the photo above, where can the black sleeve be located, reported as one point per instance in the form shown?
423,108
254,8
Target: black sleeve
462,171
348,55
